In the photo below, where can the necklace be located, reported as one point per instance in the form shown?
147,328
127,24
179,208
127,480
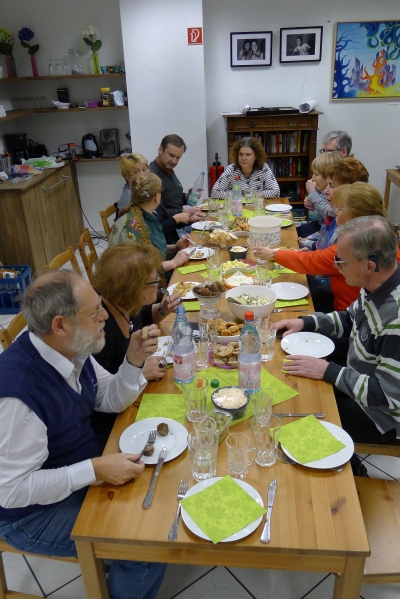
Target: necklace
128,320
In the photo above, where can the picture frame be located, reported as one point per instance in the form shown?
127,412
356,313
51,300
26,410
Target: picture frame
366,60
251,49
300,44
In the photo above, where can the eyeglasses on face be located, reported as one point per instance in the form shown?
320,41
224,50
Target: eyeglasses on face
156,282
336,209
337,261
323,151
94,315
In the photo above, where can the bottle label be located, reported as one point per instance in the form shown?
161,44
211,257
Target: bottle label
250,375
184,366
193,198
237,207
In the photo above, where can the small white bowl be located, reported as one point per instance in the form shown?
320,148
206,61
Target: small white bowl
239,310
61,105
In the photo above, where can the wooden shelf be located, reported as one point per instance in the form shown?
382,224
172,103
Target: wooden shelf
53,77
81,159
16,114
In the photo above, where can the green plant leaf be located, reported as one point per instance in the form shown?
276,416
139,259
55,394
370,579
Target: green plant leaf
88,41
33,49
24,44
96,46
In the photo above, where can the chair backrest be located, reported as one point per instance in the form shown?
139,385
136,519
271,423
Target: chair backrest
105,215
62,259
8,335
88,253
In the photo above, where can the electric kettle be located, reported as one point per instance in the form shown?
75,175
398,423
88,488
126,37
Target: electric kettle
89,146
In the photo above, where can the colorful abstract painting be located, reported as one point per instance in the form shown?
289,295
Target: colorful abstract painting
367,60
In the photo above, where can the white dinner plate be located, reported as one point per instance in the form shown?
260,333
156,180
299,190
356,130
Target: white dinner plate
290,291
337,459
164,344
201,224
278,208
205,252
189,295
307,344
241,534
134,438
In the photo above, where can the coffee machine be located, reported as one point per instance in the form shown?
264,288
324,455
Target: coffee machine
17,145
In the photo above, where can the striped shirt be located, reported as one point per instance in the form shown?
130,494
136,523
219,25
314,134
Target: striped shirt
372,373
262,180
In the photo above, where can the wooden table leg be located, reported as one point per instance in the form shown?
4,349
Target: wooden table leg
387,192
93,574
348,583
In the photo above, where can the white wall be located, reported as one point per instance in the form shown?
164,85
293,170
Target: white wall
373,124
165,79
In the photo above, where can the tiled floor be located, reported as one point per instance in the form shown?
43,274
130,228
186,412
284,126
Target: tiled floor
59,580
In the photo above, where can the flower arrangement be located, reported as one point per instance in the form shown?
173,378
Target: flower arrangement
25,35
90,32
6,41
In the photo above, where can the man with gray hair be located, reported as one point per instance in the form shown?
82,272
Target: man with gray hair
337,141
367,387
49,387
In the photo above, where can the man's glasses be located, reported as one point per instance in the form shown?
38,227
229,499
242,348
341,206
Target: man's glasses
156,282
337,261
323,151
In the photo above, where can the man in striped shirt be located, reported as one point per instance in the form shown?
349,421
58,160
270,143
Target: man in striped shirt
367,388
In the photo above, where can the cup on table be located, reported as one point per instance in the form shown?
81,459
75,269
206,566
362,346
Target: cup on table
214,274
203,448
228,201
263,404
213,206
195,397
213,258
267,333
266,438
240,455
208,324
258,203
201,347
223,219
262,276
248,197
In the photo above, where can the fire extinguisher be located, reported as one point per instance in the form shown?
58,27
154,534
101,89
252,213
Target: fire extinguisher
215,172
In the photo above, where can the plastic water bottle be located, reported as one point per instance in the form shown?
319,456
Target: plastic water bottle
182,348
322,243
249,357
197,190
237,198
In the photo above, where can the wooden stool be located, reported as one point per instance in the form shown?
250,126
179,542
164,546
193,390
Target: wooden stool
5,592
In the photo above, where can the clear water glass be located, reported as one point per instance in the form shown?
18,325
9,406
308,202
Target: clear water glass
263,404
267,333
213,258
266,438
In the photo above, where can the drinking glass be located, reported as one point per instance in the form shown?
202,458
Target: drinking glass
267,333
256,240
51,67
201,347
214,274
223,219
195,397
266,437
213,258
258,204
263,404
248,197
213,206
228,201
208,324
57,67
240,455
262,276
203,450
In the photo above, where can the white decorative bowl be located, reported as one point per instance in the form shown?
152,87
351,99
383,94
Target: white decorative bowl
239,310
270,226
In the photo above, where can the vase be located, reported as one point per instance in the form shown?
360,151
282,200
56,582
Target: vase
95,59
35,71
10,66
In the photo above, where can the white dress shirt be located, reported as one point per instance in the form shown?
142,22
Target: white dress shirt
23,441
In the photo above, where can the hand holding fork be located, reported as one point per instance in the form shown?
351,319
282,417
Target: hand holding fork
150,441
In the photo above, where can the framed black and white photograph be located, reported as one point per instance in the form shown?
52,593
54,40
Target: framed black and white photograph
301,44
251,49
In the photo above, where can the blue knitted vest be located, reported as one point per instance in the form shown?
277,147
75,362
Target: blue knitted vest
65,413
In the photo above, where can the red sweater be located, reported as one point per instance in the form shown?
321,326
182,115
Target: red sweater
321,262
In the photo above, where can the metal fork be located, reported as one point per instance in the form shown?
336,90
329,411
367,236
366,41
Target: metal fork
285,458
150,441
183,489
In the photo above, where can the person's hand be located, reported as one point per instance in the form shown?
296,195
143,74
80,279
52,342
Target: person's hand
183,243
289,325
264,253
180,258
182,218
190,209
194,218
308,204
310,186
140,349
117,468
152,371
170,303
313,368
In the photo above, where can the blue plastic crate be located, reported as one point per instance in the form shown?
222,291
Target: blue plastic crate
10,289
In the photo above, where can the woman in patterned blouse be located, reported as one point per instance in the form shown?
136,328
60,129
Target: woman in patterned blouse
248,162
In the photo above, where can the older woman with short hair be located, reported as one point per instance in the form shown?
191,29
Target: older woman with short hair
249,163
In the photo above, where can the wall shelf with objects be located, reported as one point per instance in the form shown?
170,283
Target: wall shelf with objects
54,77
289,141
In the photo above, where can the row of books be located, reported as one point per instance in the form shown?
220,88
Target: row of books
289,166
281,142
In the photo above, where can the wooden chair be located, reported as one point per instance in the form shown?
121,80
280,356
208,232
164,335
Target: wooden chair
62,259
8,335
5,592
88,253
105,215
391,450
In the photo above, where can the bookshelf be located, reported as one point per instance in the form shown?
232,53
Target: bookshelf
290,141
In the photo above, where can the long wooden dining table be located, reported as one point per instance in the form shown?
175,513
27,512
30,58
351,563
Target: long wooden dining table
317,523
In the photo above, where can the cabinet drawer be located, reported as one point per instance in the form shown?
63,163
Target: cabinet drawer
294,121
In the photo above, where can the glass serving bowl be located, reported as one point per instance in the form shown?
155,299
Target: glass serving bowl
208,300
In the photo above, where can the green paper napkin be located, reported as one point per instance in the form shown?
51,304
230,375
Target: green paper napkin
288,303
192,306
283,270
274,273
308,440
161,405
222,509
185,270
247,213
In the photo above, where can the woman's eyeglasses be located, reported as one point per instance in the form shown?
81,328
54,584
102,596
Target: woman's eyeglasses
156,282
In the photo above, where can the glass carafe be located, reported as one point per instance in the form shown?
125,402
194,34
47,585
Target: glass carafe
77,67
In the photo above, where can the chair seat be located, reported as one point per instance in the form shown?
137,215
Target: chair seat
380,506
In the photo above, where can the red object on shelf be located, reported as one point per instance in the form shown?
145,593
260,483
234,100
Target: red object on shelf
214,172
35,71
10,66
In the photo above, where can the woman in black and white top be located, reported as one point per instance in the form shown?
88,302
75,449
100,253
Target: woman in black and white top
248,162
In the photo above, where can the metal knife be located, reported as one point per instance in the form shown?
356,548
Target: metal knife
265,536
149,497
316,414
